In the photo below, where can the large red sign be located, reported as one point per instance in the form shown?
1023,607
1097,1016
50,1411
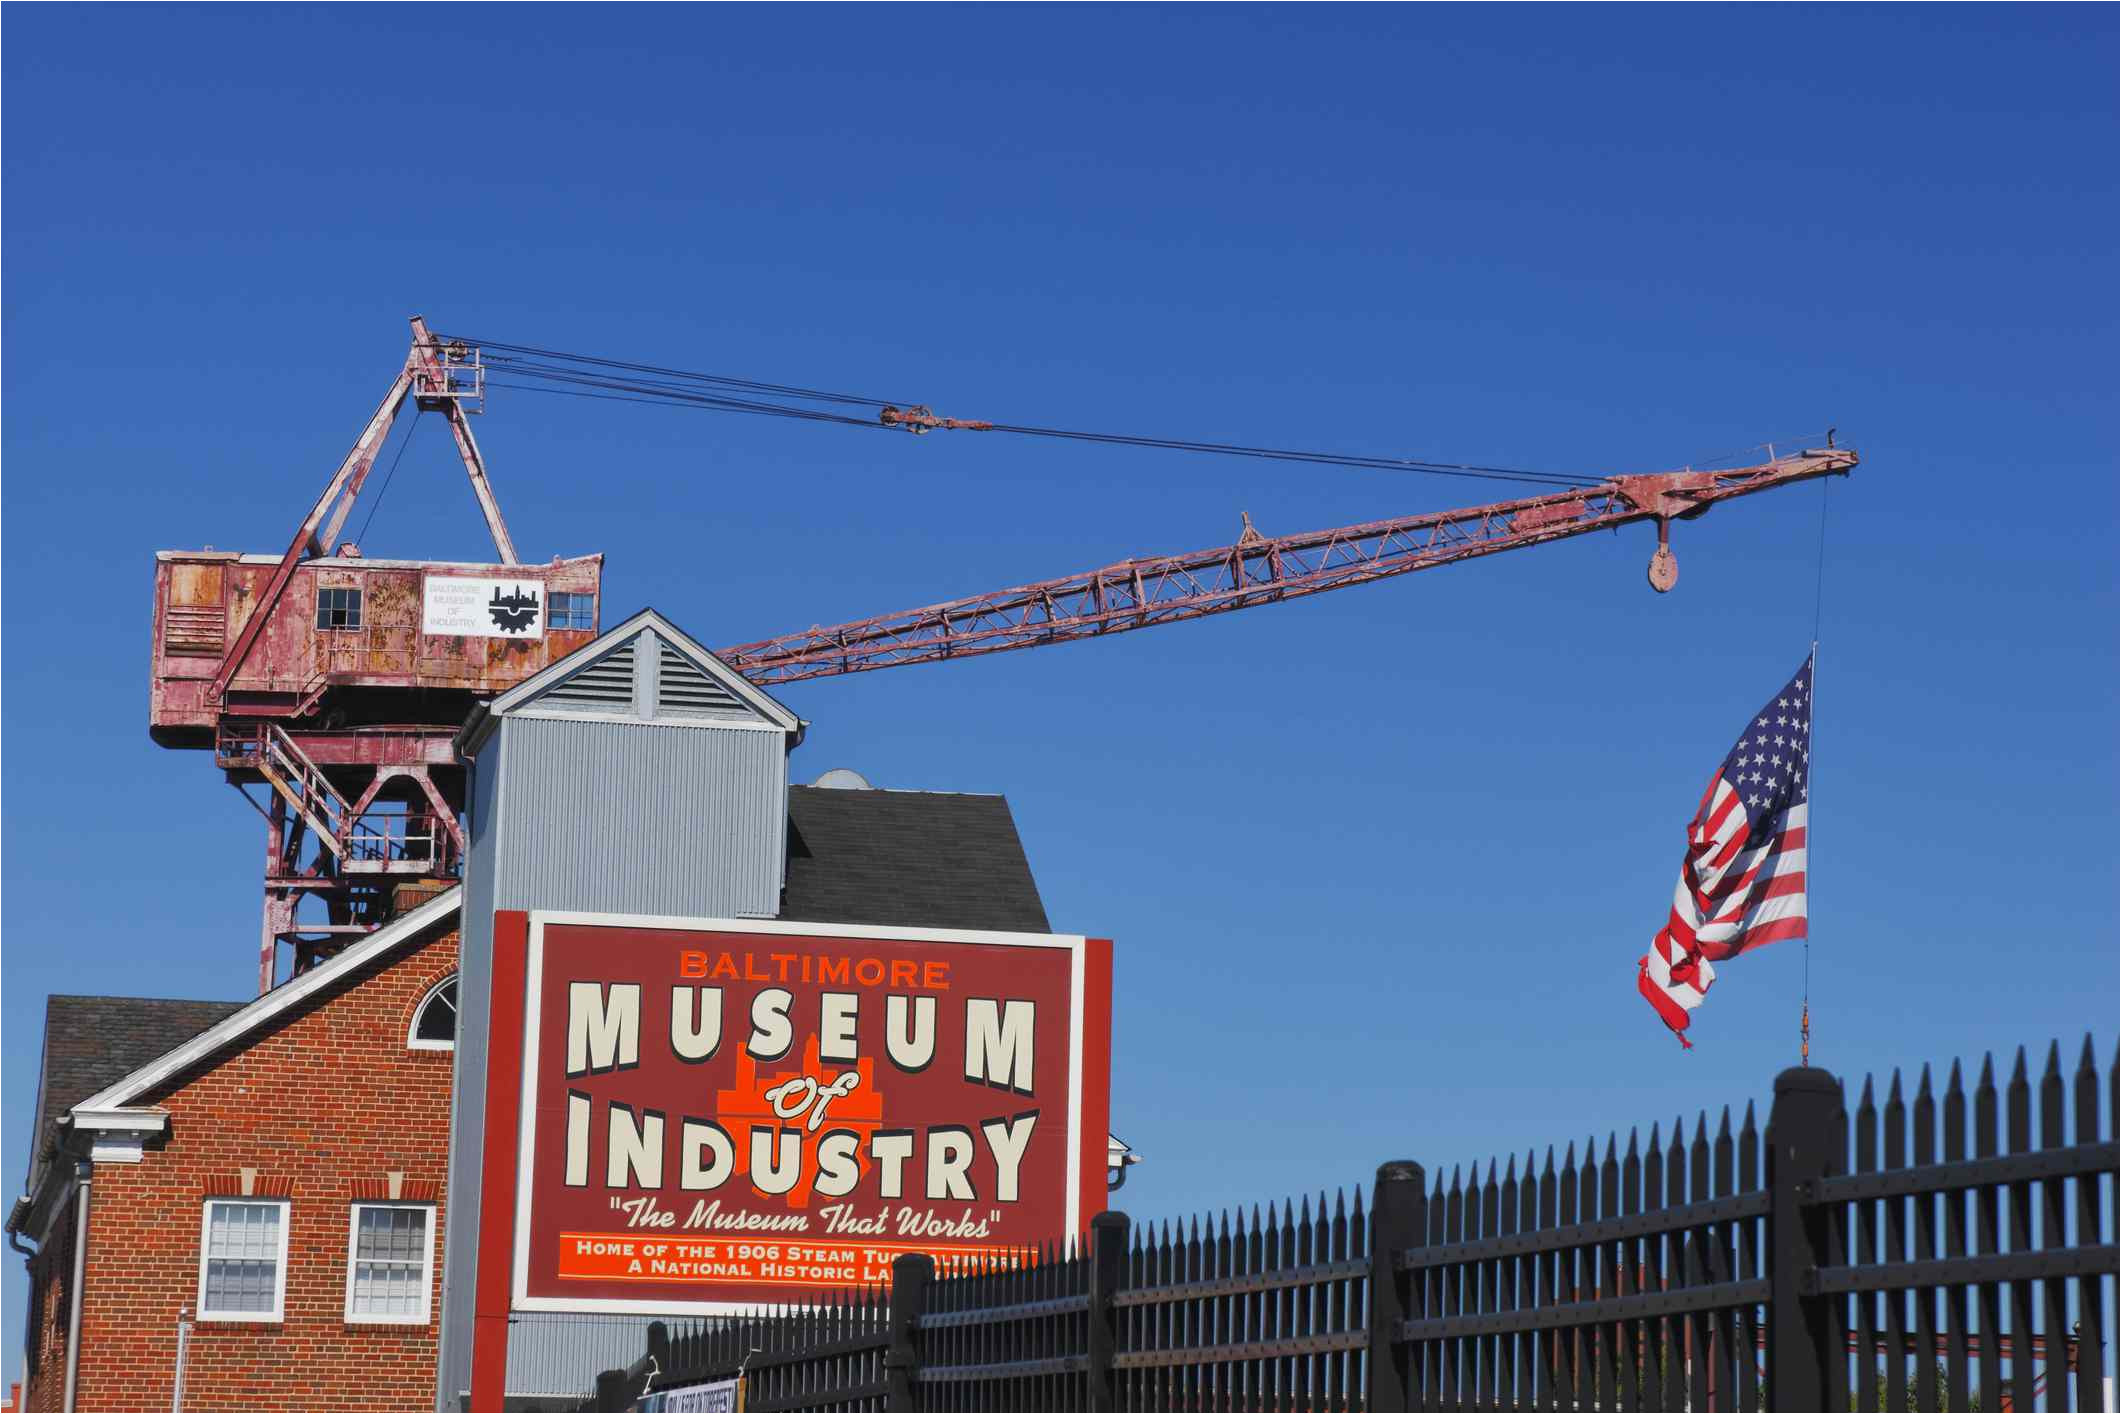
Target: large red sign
717,1114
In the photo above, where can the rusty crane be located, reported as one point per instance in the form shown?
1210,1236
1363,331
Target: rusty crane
332,683
314,679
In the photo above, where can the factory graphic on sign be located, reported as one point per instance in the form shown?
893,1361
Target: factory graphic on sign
460,606
516,613
725,1114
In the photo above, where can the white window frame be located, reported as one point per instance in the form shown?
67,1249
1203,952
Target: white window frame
427,1266
279,1293
412,1032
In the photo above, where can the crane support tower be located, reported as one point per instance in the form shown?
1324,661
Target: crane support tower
327,684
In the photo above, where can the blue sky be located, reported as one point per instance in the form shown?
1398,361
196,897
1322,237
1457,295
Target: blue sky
1379,864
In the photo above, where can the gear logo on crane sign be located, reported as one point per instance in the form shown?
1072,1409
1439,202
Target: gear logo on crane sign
517,611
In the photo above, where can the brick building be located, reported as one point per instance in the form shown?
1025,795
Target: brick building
276,1170
277,1176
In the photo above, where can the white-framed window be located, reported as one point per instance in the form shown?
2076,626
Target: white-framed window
434,1020
243,1259
390,1258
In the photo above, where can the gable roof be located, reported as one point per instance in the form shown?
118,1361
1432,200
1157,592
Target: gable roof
246,1018
91,1043
612,678
919,858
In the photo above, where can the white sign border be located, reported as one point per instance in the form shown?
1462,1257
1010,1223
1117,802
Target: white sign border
544,605
526,1134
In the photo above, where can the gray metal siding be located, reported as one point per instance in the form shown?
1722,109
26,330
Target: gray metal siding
467,1101
555,1353
620,817
616,816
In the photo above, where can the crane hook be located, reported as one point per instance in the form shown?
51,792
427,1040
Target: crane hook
1664,565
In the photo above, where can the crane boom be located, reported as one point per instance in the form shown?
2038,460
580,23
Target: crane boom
1258,569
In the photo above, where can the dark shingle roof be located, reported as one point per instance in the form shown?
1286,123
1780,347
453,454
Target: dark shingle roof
91,1043
916,858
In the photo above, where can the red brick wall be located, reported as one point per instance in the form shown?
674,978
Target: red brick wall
322,1103
49,1273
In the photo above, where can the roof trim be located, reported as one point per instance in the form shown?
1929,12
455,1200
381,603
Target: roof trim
472,735
123,1120
378,562
385,940
539,712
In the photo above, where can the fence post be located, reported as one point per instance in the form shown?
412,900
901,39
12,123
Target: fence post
1108,1266
1807,1355
1398,1221
910,1276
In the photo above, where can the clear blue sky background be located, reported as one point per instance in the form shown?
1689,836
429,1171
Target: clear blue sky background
1379,865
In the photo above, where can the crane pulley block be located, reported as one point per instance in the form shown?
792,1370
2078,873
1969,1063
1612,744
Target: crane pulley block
919,419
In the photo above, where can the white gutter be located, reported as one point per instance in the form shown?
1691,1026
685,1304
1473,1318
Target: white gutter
82,1172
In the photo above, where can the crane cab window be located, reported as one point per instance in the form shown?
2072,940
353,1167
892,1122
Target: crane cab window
338,608
571,611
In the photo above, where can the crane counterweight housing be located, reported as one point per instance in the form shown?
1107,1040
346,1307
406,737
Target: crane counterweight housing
344,643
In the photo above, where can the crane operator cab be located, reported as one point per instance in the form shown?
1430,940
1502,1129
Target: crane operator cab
354,643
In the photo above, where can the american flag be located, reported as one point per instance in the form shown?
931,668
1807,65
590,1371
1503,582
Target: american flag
1742,884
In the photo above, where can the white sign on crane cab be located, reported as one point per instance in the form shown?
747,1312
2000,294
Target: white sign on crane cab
463,607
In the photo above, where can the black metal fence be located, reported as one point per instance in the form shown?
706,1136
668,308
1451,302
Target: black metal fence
1953,1252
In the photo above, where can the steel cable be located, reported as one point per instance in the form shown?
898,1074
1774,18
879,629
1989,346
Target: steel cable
620,380
389,476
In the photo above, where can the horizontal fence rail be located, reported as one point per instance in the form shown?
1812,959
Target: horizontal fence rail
1006,1337
1954,1251
1265,1314
1636,1281
1969,1250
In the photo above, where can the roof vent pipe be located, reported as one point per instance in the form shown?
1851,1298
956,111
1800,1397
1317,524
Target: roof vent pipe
840,778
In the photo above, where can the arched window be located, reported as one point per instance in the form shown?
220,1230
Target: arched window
434,1024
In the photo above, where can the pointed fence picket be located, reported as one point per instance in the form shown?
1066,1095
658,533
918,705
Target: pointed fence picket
1953,1252
2026,1311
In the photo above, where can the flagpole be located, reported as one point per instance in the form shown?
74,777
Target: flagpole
1804,1024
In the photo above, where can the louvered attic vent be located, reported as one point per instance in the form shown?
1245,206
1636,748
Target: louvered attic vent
682,687
606,684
